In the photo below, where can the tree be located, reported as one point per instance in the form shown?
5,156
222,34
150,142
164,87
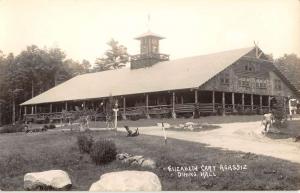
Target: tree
114,58
289,65
32,71
77,68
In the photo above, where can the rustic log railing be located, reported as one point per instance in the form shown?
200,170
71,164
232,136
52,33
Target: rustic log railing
144,111
206,107
185,108
44,116
159,109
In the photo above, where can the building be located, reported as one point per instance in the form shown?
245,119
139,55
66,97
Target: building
241,80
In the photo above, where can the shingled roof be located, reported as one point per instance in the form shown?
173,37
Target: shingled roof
177,74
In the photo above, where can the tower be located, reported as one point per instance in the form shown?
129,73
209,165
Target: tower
149,51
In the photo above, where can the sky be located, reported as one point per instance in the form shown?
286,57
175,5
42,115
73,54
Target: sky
81,28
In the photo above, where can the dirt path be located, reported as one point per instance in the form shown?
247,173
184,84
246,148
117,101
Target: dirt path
244,137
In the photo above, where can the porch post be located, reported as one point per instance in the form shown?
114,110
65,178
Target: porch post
66,106
269,103
243,101
213,101
196,96
223,103
173,106
232,100
35,109
32,109
147,106
252,102
196,103
260,102
51,108
25,110
124,108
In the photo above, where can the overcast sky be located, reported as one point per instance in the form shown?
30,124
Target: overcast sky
192,27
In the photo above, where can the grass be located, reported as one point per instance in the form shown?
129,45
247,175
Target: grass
21,153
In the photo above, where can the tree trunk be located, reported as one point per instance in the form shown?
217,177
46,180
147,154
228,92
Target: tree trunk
14,110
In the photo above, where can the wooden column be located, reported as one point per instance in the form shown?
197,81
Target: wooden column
32,109
232,101
35,109
173,106
196,103
147,106
223,102
213,101
66,106
50,108
20,113
252,102
124,108
196,96
269,103
260,102
243,101
25,110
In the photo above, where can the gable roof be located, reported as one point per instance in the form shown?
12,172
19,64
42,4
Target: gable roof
177,74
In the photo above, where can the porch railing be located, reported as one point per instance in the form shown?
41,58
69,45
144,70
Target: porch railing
151,110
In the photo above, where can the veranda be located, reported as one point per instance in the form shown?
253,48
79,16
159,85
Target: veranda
170,104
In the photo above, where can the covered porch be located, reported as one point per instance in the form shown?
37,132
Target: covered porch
168,104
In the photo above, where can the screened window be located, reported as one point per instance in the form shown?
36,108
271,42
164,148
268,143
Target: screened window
250,67
277,84
244,82
225,78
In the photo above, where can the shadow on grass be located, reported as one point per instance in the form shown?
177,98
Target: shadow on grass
57,150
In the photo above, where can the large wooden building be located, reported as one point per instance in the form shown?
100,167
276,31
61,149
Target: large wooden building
241,80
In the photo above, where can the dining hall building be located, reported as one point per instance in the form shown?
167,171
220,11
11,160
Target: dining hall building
229,82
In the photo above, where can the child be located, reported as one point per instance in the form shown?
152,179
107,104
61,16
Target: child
267,121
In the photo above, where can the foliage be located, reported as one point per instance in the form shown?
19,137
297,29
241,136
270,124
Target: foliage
31,72
103,151
114,58
12,128
85,142
289,65
279,113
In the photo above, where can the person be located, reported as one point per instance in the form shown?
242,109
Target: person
292,107
108,121
267,121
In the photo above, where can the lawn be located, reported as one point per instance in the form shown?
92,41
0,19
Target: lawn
21,153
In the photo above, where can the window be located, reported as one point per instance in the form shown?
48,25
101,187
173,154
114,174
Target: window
224,78
262,84
277,84
244,82
250,67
